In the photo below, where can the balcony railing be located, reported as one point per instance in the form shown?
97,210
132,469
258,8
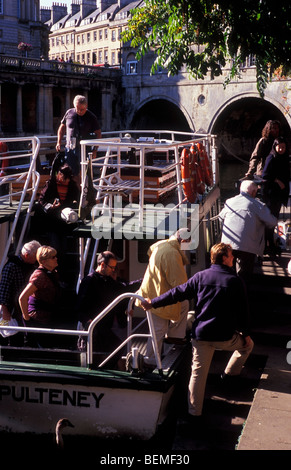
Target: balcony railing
49,65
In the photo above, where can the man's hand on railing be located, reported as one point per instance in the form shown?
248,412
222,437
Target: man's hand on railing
146,304
129,312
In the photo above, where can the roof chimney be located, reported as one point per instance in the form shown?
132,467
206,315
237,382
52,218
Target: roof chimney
86,7
59,10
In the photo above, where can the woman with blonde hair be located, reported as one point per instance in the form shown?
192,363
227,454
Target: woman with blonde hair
39,299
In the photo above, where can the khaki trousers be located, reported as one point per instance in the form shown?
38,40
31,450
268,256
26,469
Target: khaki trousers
168,328
202,356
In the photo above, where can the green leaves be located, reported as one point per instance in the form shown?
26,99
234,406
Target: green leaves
204,36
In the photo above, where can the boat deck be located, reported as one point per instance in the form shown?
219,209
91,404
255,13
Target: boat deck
8,210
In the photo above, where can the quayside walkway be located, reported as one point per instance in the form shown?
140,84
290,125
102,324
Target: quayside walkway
268,425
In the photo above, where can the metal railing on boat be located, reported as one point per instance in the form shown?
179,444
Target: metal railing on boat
110,167
22,174
89,333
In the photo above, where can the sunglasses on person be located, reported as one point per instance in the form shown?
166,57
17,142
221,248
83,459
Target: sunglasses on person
113,268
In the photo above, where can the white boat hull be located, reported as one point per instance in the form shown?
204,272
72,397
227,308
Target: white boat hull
36,407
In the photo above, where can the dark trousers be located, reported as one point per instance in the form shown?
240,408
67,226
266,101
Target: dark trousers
244,264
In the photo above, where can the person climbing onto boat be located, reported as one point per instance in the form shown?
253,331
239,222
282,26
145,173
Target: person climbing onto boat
221,321
166,269
15,275
245,219
96,291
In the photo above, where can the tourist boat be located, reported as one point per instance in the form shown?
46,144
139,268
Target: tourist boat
139,198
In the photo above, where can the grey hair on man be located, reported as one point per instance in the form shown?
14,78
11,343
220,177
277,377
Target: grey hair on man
30,248
249,187
79,99
183,235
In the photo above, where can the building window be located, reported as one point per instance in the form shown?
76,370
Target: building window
106,55
106,33
88,37
113,58
78,39
113,35
250,61
72,38
100,34
95,35
99,57
131,67
83,38
88,58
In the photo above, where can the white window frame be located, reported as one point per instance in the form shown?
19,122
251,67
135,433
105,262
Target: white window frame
131,67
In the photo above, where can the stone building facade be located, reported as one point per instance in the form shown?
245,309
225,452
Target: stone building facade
35,93
90,32
20,23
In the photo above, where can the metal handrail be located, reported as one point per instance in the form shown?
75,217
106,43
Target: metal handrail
116,143
31,175
89,333
104,312
112,143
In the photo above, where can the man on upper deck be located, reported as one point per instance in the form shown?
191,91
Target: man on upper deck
79,123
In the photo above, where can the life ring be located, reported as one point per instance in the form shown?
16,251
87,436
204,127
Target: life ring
187,173
205,165
3,154
197,177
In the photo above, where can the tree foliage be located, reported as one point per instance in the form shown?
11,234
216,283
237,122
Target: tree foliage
204,36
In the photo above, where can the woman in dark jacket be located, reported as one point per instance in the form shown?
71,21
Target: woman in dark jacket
276,174
59,193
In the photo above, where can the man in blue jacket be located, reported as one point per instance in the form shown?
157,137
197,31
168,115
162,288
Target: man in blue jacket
221,320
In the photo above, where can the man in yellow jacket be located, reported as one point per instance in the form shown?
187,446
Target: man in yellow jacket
166,269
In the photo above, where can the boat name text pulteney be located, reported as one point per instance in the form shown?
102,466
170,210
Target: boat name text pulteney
51,396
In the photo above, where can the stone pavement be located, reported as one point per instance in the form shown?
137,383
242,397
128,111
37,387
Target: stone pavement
268,425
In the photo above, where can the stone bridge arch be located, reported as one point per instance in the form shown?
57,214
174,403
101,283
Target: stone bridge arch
160,112
239,121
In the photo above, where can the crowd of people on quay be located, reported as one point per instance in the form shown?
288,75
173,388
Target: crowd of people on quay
32,294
